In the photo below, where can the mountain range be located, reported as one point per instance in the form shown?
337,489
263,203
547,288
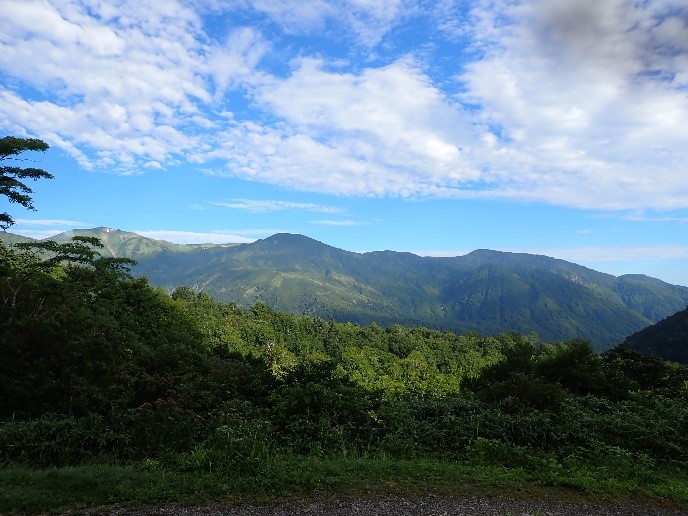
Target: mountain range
485,291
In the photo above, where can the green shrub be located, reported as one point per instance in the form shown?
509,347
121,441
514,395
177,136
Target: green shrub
56,440
238,448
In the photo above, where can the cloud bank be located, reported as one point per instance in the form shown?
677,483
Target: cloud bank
580,104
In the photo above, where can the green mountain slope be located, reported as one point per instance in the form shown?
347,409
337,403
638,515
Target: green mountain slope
123,244
668,339
11,238
485,291
131,245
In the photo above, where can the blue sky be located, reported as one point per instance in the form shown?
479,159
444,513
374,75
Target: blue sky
541,126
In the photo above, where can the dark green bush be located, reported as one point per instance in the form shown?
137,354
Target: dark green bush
57,440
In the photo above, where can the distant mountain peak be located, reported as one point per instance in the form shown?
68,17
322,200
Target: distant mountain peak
293,241
485,253
290,238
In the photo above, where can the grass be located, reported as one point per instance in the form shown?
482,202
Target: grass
28,491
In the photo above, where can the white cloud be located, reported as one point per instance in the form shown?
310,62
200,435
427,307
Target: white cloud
233,62
589,100
268,206
372,19
119,81
50,222
343,223
618,254
189,237
386,131
37,234
369,20
254,232
293,15
51,227
445,253
644,217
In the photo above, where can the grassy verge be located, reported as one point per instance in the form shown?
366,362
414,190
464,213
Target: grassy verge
54,490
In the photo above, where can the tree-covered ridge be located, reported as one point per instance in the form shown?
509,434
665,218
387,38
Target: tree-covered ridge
485,291
117,243
667,339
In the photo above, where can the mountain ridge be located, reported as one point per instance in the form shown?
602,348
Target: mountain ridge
667,339
485,290
117,242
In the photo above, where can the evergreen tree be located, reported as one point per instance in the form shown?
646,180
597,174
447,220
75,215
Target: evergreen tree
12,178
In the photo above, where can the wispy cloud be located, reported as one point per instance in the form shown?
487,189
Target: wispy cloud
268,206
444,253
38,234
330,222
368,20
49,227
656,218
253,232
50,222
189,237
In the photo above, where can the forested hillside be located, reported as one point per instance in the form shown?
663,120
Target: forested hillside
485,291
667,339
125,244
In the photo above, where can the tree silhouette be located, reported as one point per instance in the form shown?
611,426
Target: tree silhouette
11,177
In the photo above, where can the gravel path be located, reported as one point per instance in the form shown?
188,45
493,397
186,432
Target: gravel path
428,506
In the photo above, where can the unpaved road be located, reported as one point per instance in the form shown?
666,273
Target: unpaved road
427,506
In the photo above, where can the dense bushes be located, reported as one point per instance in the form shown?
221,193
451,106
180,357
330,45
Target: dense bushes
98,366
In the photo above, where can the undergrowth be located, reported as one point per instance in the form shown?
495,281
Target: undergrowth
286,478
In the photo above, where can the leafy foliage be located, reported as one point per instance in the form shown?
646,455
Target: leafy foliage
12,178
101,365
